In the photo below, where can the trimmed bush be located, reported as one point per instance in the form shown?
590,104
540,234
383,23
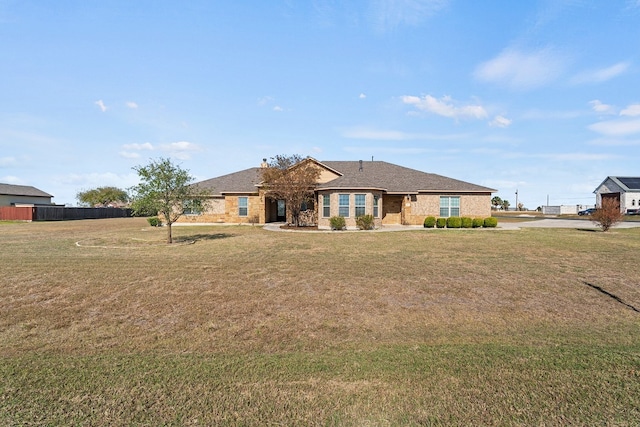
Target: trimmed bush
477,222
429,222
466,222
365,222
491,222
441,222
154,221
454,222
337,223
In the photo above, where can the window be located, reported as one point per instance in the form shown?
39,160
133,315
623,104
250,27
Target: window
326,206
243,206
192,207
449,206
343,205
633,202
360,204
375,206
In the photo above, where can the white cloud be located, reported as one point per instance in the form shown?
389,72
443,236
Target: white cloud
362,96
100,104
632,110
8,161
616,127
10,179
522,70
389,14
360,132
599,107
614,142
129,155
278,108
501,122
264,100
601,75
181,149
132,105
145,146
445,107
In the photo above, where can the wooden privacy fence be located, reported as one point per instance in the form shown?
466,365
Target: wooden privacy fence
59,213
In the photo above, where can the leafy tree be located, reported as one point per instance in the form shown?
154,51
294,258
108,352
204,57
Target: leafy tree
496,201
505,205
608,214
102,196
292,179
164,189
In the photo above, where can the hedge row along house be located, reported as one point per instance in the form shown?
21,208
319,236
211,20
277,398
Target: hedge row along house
392,194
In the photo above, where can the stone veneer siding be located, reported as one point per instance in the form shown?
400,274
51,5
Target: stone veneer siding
471,205
323,222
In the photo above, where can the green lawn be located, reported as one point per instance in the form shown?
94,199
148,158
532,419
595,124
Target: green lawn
101,323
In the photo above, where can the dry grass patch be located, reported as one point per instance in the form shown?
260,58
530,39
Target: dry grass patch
246,326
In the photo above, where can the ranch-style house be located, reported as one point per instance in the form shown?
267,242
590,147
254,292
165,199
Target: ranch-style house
392,194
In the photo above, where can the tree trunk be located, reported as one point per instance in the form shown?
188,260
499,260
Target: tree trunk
169,238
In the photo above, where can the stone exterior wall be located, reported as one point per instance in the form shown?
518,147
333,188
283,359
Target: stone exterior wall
471,205
323,222
225,210
212,211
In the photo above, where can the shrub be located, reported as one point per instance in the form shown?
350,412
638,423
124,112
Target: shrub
429,221
337,223
364,222
477,222
490,222
154,221
441,222
608,214
454,222
466,222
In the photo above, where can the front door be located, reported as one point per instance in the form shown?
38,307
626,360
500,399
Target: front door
282,211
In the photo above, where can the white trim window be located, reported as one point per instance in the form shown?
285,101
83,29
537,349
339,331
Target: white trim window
449,206
343,205
360,204
243,206
376,200
326,205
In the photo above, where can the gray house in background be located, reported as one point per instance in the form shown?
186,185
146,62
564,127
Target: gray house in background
625,190
23,195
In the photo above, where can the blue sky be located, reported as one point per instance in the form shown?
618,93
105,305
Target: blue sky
542,97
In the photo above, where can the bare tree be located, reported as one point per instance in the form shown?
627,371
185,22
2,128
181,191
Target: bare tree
607,214
292,179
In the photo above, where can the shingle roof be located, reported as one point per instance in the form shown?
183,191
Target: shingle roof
394,179
374,175
238,182
22,190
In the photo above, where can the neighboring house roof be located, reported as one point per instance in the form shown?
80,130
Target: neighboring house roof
625,183
394,179
244,181
354,175
22,190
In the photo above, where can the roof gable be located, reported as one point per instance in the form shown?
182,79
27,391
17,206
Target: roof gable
622,183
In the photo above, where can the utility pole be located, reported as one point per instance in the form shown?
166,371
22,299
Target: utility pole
516,199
